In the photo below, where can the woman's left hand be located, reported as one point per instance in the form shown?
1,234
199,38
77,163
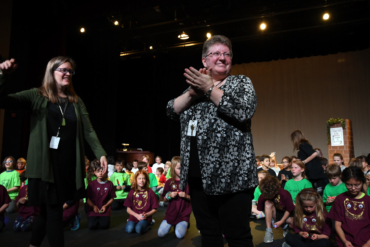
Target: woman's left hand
104,164
199,80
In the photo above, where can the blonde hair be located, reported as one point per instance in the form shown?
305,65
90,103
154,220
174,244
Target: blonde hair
49,89
146,157
309,195
168,163
273,159
175,160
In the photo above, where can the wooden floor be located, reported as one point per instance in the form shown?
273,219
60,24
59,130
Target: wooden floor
116,235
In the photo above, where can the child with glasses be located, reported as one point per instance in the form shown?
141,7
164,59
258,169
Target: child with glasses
285,174
11,181
351,211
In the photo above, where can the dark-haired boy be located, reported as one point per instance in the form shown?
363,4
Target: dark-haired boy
135,168
265,162
335,187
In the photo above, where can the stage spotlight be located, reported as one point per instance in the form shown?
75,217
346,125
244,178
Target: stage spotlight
150,47
183,36
263,26
326,16
82,30
116,23
209,35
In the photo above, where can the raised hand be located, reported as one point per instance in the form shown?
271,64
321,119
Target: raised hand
8,66
200,81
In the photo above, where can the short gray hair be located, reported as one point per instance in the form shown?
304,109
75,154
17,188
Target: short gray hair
216,39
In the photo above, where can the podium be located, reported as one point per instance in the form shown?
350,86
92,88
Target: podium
130,156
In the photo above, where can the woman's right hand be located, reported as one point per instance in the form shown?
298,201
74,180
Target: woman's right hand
8,66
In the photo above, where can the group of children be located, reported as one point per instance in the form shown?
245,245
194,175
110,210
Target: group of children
288,200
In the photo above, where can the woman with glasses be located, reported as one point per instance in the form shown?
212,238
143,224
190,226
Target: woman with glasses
55,159
217,155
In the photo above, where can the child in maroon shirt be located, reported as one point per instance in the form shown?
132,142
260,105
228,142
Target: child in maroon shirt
311,224
26,214
71,216
351,211
277,204
179,206
100,196
141,204
4,204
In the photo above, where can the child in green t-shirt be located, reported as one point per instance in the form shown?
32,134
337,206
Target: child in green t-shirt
121,181
11,181
335,187
90,176
152,179
298,183
167,170
257,193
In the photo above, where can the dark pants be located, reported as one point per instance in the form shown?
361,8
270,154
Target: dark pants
50,223
118,204
225,214
95,222
319,184
2,224
295,240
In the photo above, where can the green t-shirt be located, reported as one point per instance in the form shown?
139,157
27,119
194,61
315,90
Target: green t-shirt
368,191
123,179
93,177
153,182
168,175
294,187
331,190
257,193
10,179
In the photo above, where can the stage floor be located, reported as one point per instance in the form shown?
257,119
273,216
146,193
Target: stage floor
116,235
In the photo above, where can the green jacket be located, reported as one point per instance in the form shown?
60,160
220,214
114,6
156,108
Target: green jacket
38,157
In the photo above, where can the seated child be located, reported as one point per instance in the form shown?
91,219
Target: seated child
11,181
26,214
71,216
351,211
158,163
277,204
312,227
152,179
21,165
265,162
90,176
141,204
122,184
257,193
111,163
274,165
335,187
179,206
135,168
146,160
4,204
167,169
258,162
128,171
160,179
100,195
298,183
338,160
285,174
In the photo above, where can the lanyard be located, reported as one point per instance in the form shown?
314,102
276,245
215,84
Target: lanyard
63,112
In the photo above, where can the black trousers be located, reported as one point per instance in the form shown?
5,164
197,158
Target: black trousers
225,214
50,223
319,184
118,204
95,222
295,240
2,224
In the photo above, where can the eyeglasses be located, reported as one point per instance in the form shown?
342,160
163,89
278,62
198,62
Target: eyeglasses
219,54
64,71
7,162
353,185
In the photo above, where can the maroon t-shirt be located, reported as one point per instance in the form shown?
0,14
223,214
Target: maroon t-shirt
71,211
354,214
310,225
282,201
99,194
24,210
141,202
178,209
4,199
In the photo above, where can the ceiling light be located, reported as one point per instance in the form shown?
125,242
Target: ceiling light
116,23
150,47
82,30
209,35
326,16
263,26
183,36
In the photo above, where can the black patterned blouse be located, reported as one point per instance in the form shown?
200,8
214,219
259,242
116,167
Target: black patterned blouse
224,138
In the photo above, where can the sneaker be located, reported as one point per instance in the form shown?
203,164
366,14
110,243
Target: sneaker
161,204
285,245
286,230
260,216
269,237
153,221
76,222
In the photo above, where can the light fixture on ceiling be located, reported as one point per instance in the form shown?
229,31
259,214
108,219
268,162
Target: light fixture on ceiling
183,36
326,16
209,35
263,26
150,47
116,23
82,30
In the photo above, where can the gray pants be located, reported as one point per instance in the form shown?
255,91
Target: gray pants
11,207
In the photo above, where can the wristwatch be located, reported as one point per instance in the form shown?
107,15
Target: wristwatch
208,93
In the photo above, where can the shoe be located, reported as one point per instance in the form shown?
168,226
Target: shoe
285,245
269,237
260,216
76,222
161,204
153,221
286,230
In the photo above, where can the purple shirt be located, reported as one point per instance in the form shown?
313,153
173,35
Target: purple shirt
282,201
141,202
178,209
71,211
310,225
4,199
99,194
24,210
354,215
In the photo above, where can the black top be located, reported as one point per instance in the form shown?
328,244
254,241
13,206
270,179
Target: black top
194,166
288,175
63,160
313,168
272,172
